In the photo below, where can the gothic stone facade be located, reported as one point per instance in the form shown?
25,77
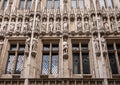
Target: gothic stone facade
60,42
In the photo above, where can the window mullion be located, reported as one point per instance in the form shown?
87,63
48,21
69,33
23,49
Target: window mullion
16,55
81,67
50,55
116,57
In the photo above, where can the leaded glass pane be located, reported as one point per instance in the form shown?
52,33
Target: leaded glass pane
57,3
20,61
10,64
102,3
118,46
45,64
49,4
76,63
113,64
73,3
84,46
21,5
4,4
46,47
28,4
54,65
55,47
81,4
21,47
75,46
110,3
86,64
110,46
13,47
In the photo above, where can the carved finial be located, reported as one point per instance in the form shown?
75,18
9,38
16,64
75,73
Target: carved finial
32,7
92,5
98,4
8,10
38,7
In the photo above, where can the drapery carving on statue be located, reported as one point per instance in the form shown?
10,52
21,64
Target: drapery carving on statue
65,46
58,25
25,27
44,26
65,25
96,44
118,24
79,25
106,25
37,21
51,26
1,45
19,26
27,47
31,22
113,25
12,26
34,44
86,25
103,42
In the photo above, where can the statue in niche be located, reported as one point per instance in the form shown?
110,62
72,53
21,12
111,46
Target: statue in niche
12,26
103,42
27,44
65,46
113,25
5,27
1,45
51,26
31,22
86,25
106,25
65,25
34,43
58,26
96,44
19,26
79,25
118,24
44,26
37,21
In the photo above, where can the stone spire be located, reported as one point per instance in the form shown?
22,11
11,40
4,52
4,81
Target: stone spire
97,4
8,10
38,7
92,5
32,7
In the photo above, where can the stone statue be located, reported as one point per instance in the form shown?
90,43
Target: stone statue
27,45
31,22
1,45
103,42
34,44
113,25
19,26
51,26
37,21
65,25
12,26
44,26
65,46
118,24
79,25
58,26
86,25
25,27
96,44
106,25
